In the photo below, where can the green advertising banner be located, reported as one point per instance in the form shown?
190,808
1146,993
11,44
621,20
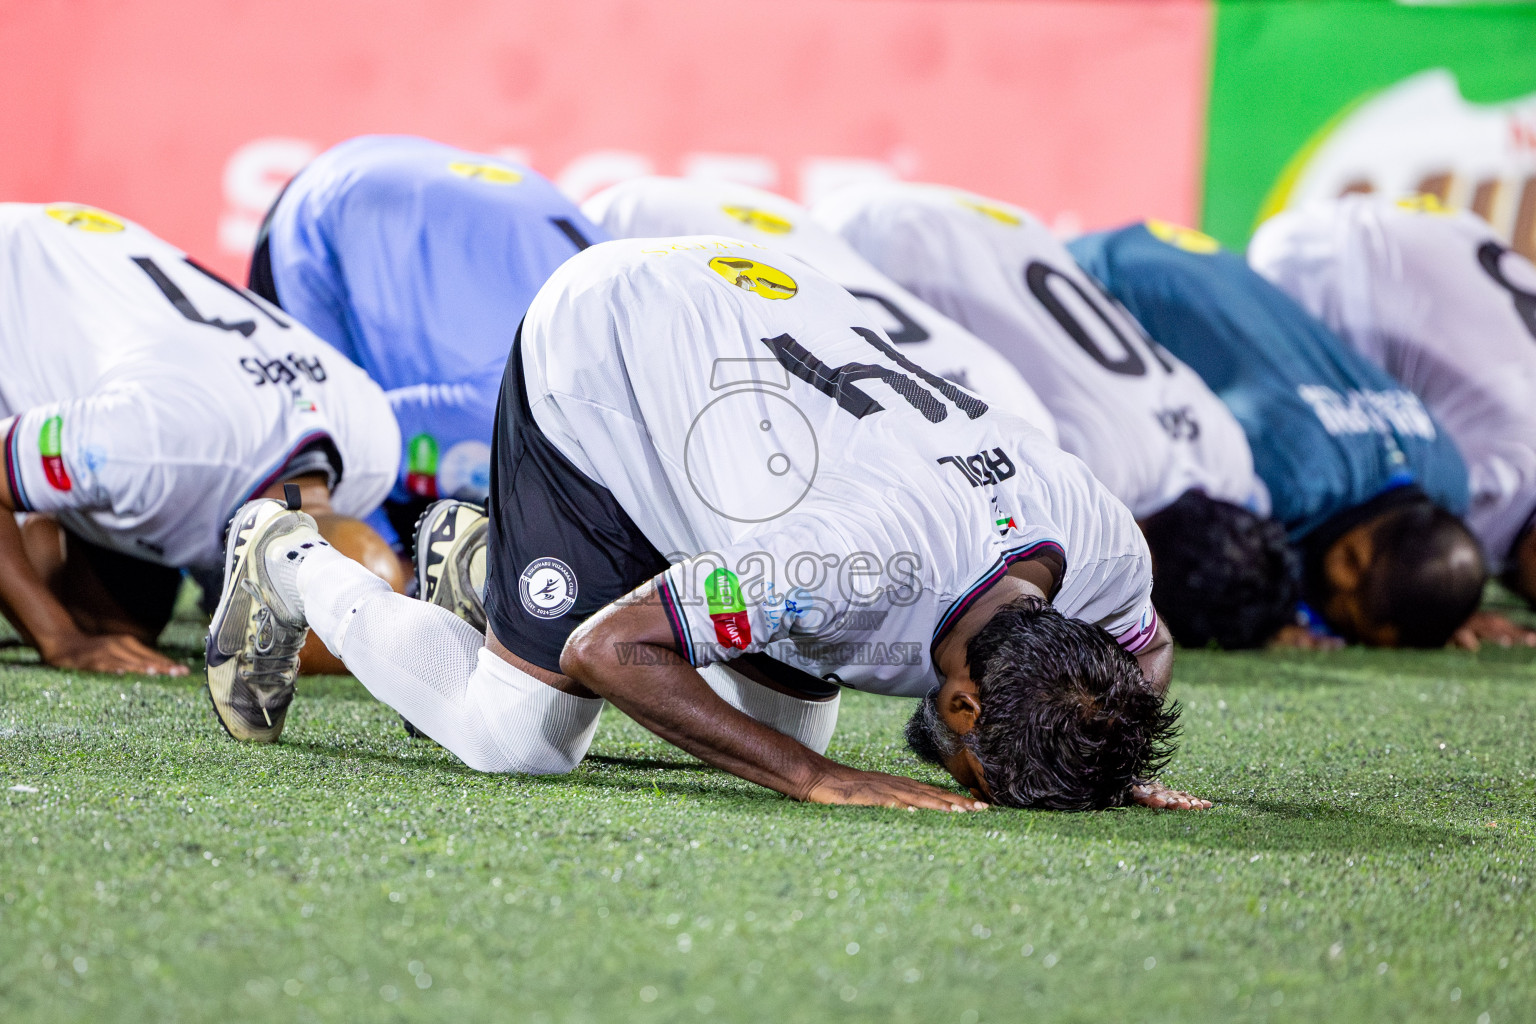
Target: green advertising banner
1311,100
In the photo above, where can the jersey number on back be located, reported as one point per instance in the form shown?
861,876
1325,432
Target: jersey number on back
837,382
1039,277
1489,255
178,298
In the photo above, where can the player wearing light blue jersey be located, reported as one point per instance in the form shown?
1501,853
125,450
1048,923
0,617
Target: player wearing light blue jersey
418,260
1367,483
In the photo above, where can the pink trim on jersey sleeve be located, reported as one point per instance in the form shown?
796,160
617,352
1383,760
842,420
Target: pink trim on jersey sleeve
1136,639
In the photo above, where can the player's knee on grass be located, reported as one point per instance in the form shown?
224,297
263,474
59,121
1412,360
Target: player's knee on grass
361,543
1220,573
1406,578
1067,722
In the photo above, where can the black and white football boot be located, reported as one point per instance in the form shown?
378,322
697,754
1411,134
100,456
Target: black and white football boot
450,565
450,558
254,638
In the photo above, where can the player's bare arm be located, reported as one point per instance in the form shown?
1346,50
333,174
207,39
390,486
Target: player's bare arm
661,691
48,626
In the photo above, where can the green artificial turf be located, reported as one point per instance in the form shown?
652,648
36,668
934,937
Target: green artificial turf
1369,857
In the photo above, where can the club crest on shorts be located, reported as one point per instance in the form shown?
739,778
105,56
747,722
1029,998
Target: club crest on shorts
547,588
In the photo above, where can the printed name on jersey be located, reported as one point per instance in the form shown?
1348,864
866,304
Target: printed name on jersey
1361,411
85,218
762,220
491,174
286,370
752,276
50,443
1180,424
982,468
547,588
1180,237
728,609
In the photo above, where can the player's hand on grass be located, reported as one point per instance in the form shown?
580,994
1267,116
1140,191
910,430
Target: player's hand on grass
1160,797
116,654
1300,638
877,789
1493,628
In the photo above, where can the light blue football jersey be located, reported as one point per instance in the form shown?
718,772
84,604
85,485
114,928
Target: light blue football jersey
418,260
1329,430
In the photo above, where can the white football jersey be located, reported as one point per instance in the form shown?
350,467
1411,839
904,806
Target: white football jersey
1144,422
1436,300
822,497
143,398
665,207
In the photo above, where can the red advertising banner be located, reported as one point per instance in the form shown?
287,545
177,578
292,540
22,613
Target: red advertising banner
188,116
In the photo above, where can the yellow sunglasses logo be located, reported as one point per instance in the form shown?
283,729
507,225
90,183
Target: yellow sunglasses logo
762,220
85,218
1184,238
1424,202
755,277
997,213
493,174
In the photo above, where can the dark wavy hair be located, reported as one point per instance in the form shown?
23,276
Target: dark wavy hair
1426,575
1221,573
1068,721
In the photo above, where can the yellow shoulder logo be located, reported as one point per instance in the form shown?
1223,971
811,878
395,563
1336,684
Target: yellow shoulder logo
997,213
1424,202
85,218
493,174
762,220
1184,238
755,277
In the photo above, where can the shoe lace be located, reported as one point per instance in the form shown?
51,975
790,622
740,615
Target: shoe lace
270,662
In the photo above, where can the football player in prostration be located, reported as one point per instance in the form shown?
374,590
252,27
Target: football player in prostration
709,461
1366,482
1145,423
652,207
1438,301
143,400
418,260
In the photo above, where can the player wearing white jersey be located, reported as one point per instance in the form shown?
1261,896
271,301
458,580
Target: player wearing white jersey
1438,301
709,462
655,207
143,400
1144,422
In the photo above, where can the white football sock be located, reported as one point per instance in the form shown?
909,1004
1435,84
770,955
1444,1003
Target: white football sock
284,555
810,722
432,667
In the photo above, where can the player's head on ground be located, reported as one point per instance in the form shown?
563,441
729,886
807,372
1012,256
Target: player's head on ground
1220,573
1055,714
1407,577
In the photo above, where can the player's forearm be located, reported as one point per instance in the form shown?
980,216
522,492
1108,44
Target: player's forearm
24,597
1156,659
661,691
